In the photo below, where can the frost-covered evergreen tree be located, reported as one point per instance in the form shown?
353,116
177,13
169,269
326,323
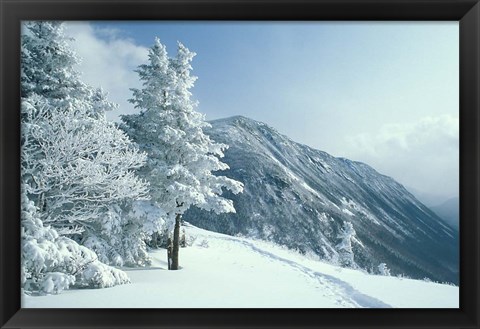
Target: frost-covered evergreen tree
77,167
47,62
344,247
48,69
181,158
383,269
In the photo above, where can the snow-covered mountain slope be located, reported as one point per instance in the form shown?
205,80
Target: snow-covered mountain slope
222,271
300,197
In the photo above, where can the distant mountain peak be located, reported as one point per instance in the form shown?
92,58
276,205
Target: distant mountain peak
449,211
233,119
240,120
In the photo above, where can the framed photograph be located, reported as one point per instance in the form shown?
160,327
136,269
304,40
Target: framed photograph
239,164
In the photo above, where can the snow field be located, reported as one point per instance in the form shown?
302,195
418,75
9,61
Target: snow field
220,271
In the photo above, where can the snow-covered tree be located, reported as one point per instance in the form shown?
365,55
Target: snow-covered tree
181,158
47,61
344,247
52,263
127,229
48,69
383,269
83,165
77,167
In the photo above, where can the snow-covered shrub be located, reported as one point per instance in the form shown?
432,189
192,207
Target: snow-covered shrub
451,284
51,263
159,239
203,243
99,275
344,247
122,234
183,239
190,240
55,282
383,269
402,276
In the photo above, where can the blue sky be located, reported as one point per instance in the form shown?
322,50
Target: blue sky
385,93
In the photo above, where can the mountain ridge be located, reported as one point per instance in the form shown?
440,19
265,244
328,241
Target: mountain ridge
301,197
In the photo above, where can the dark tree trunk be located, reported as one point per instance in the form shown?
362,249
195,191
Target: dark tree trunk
169,253
42,203
176,242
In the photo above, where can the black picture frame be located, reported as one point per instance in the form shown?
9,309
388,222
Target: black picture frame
12,12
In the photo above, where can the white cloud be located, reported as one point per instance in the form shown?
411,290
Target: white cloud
422,154
108,61
410,137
